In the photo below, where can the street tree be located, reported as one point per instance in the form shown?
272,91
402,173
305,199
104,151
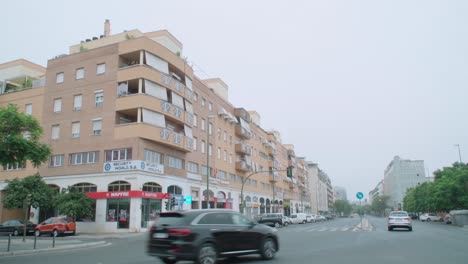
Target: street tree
27,192
342,207
380,203
19,138
73,203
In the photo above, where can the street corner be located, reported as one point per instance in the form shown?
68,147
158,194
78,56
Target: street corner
27,248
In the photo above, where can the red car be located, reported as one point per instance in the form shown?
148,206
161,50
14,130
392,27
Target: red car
56,226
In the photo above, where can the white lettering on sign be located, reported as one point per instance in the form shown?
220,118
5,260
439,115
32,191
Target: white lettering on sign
132,165
119,194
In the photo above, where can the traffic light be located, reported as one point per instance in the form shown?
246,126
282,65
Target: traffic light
173,201
167,205
289,171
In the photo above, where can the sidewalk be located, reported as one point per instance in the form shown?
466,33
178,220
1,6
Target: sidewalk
45,244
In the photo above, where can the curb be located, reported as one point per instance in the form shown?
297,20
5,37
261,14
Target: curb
42,250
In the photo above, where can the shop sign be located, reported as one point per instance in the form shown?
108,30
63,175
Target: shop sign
131,165
127,194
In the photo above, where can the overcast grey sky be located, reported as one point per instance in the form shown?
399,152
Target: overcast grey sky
350,83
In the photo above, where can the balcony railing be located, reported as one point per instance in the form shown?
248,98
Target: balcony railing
154,133
242,148
243,166
242,132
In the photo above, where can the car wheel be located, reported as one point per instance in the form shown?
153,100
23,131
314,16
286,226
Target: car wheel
206,254
15,232
168,260
37,233
268,249
55,233
428,220
277,225
390,229
304,222
286,224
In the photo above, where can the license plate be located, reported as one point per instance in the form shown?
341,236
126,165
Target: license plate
399,220
160,235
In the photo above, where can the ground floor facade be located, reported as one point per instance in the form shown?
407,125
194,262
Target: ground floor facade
129,201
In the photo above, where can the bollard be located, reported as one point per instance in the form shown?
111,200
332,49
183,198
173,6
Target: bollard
35,239
9,242
53,241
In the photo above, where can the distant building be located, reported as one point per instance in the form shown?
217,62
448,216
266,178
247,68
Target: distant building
340,193
377,191
399,176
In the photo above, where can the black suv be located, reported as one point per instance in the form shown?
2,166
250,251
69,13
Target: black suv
206,235
274,219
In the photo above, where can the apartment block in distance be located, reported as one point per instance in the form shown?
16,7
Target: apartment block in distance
133,127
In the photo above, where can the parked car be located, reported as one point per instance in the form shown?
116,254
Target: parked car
321,218
56,226
15,227
286,221
430,217
413,216
204,236
274,220
448,219
399,219
310,218
299,218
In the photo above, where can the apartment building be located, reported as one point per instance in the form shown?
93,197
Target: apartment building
377,191
399,176
132,126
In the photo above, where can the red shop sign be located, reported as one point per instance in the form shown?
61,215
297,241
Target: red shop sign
126,194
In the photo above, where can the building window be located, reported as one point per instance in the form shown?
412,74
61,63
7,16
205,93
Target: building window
85,187
77,102
230,157
84,158
79,74
56,160
195,120
219,153
239,179
59,77
225,155
210,106
222,175
75,129
232,177
15,166
101,69
55,132
99,99
219,133
203,146
28,109
225,136
195,97
174,162
203,101
230,139
204,171
203,126
57,105
119,186
97,127
210,147
152,187
195,143
210,128
153,156
192,167
118,154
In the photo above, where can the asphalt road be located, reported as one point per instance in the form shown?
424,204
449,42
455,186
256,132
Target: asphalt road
327,242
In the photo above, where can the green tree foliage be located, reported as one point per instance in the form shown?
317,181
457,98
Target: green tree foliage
14,147
28,191
449,191
75,204
379,204
342,207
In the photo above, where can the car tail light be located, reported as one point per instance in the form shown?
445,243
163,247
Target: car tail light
391,218
179,232
407,218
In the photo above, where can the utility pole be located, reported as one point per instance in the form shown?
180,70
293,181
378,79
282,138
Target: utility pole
459,152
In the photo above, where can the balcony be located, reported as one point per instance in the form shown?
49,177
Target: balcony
242,148
243,166
141,100
242,132
274,176
156,134
242,113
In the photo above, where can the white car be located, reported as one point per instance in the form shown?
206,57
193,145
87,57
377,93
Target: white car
399,219
430,217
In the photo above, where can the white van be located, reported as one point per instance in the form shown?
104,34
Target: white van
299,218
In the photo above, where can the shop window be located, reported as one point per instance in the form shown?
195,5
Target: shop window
152,187
119,186
118,210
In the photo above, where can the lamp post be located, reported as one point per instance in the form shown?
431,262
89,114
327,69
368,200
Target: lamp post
459,152
242,205
208,161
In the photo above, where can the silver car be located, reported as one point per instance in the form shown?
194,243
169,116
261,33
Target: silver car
399,219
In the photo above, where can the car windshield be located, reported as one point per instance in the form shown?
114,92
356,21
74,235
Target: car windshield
401,214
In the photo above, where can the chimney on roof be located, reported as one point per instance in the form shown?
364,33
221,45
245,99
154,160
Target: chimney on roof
107,28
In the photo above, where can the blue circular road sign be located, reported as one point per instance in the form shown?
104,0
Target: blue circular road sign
359,195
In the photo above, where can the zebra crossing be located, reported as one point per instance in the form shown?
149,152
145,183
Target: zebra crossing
323,229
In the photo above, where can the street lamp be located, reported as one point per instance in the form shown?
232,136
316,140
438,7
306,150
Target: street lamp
459,152
208,161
